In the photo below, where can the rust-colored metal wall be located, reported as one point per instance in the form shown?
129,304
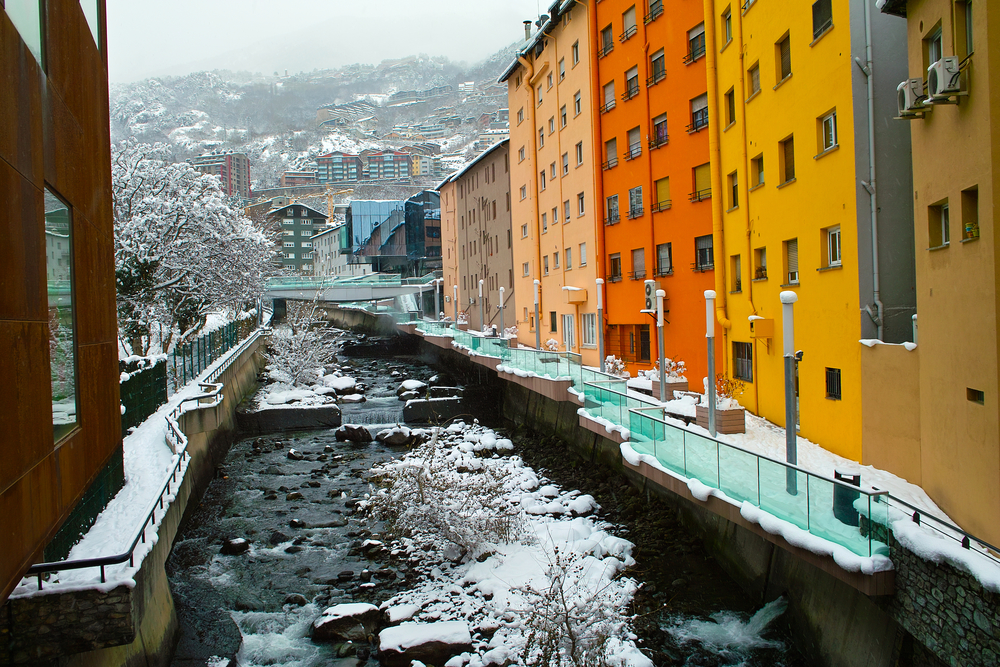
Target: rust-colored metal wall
54,132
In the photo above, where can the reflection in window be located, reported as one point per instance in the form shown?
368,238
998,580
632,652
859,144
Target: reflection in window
62,350
90,11
26,15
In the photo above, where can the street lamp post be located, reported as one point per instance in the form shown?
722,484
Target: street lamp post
454,300
788,299
538,324
710,337
659,340
600,321
437,299
482,322
501,314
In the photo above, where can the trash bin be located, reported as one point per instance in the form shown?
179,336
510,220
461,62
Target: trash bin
844,497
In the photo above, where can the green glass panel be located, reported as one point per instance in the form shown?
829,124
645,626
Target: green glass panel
62,334
26,15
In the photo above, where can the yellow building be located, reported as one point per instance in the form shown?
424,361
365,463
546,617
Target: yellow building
804,152
553,214
954,452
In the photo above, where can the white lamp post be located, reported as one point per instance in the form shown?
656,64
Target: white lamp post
710,337
788,299
501,314
454,300
482,322
538,324
659,339
437,299
600,321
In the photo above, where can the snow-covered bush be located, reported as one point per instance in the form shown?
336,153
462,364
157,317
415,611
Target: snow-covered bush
299,348
615,366
430,492
510,332
726,392
674,368
552,345
463,317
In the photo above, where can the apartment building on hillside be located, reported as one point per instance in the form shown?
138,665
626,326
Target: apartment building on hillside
233,169
298,224
554,216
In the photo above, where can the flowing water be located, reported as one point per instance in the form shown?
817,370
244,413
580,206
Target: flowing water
257,608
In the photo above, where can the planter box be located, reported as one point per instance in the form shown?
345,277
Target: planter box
463,326
672,386
726,421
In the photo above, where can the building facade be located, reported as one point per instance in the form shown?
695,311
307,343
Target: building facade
291,179
396,236
233,169
556,239
60,409
338,167
297,224
449,235
805,140
329,248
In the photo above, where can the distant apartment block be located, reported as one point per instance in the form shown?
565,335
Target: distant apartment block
411,96
297,225
386,165
344,114
291,179
233,169
338,167
426,165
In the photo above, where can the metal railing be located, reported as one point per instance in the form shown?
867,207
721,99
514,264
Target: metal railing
657,76
629,32
631,89
607,106
655,11
700,195
210,396
658,140
190,359
143,392
658,206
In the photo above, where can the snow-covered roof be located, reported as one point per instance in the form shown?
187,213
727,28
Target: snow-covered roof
458,174
274,211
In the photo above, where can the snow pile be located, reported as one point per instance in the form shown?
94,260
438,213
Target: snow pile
523,563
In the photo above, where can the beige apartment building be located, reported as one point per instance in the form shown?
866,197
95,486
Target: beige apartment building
552,181
482,238
952,418
449,234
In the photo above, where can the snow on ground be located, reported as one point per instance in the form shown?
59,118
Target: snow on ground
505,589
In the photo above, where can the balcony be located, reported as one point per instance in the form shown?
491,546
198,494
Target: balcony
637,275
659,139
634,213
664,271
631,89
699,121
608,106
629,32
658,76
696,49
608,47
700,195
610,164
612,218
655,12
660,206
615,278
634,151
702,266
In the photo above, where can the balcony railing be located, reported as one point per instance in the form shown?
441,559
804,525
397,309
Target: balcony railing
699,121
696,49
664,271
637,275
634,151
606,49
700,195
634,213
610,164
658,139
655,11
660,206
702,266
612,218
631,89
657,76
629,32
608,106
615,278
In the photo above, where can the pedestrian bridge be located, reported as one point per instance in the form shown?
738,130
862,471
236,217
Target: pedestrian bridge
372,287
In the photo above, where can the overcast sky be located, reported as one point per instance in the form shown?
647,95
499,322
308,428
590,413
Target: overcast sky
172,37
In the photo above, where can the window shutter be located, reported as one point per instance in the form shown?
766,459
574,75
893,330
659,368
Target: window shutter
789,146
793,255
663,190
786,58
702,178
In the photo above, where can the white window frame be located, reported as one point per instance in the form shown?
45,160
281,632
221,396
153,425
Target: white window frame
829,127
834,248
568,333
589,329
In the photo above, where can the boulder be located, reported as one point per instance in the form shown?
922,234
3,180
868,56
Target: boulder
347,622
294,495
235,547
353,433
411,385
297,600
396,437
408,395
295,455
431,643
444,392
353,398
278,537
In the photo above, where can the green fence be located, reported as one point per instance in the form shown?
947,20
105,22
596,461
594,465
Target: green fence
143,392
190,359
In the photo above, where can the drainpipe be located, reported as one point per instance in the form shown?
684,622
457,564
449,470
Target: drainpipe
870,185
529,71
598,151
718,241
649,153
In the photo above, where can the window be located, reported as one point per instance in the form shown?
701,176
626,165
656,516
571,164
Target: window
583,254
541,137
576,52
552,171
61,279
699,113
703,253
727,25
975,395
524,231
615,267
970,213
288,244
287,222
552,124
760,264
520,154
555,259
938,224
634,143
607,42
563,116
660,136
524,192
545,223
579,154
662,202
753,74
831,239
539,95
305,232
566,210
696,43
589,325
611,210
664,259
628,23
27,19
520,115
828,132
609,97
611,153
288,232
555,215
702,182
792,262
658,67
553,318
743,361
735,274
577,104
635,202
568,334
757,171
631,83
569,258
562,69
638,263
786,154
783,59
932,47
541,182
833,384
822,17
730,107
734,190
565,163
545,265
655,11
963,28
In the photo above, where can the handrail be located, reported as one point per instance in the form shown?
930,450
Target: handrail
176,438
919,515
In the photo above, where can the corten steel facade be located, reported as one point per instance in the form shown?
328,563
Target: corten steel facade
956,454
555,216
484,240
54,137
653,164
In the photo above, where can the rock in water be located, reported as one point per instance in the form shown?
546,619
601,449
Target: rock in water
396,437
347,622
431,643
235,547
295,455
353,433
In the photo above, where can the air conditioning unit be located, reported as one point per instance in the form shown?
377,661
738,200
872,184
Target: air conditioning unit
943,79
651,287
910,96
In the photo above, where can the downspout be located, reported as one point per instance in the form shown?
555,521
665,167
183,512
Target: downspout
598,148
648,151
870,185
528,72
744,185
718,241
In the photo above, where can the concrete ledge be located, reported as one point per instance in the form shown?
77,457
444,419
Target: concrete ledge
277,420
599,429
557,390
432,410
443,342
880,583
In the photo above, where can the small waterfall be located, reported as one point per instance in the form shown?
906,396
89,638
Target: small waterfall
728,635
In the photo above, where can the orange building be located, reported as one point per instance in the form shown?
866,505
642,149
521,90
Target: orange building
653,160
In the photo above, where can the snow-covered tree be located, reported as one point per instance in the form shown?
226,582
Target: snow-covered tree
300,347
181,250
